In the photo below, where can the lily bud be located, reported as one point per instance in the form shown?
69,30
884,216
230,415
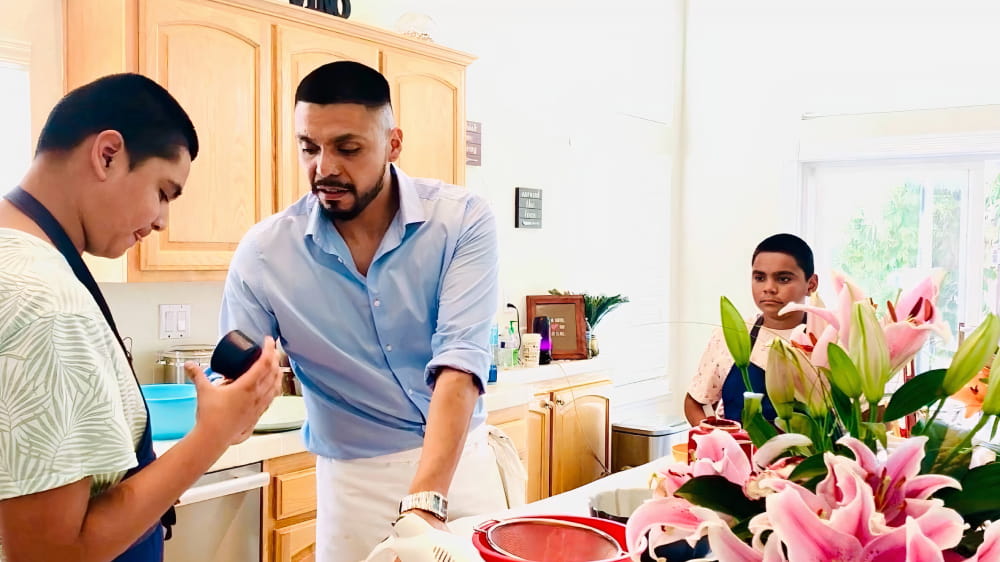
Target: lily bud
734,329
869,351
783,368
972,355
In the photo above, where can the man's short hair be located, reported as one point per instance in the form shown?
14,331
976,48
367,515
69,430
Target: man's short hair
344,82
791,245
149,119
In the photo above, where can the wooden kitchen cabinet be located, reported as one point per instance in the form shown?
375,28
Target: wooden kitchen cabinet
300,50
539,449
428,98
581,436
296,543
234,66
568,437
216,61
288,513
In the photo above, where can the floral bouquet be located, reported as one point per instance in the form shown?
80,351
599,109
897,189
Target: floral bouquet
826,483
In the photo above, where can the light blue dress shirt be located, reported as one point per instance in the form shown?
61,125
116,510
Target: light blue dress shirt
366,348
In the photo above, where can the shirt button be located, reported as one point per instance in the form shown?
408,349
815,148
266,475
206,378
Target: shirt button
388,348
377,303
341,260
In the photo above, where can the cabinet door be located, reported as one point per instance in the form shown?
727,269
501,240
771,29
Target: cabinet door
581,436
216,60
296,543
539,448
428,98
300,51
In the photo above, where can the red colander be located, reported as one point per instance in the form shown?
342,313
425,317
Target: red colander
551,538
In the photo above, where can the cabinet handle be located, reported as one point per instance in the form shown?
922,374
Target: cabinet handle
545,404
560,402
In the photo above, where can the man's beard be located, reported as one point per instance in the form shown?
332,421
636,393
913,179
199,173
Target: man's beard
361,201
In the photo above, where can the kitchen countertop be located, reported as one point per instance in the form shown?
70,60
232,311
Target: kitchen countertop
257,448
573,502
514,387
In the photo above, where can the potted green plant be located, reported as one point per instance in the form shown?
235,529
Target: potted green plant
595,307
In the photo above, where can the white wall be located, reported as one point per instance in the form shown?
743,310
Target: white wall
752,70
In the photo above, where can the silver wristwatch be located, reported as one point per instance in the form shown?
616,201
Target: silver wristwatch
432,502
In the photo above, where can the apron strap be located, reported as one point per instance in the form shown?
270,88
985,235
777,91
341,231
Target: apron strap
33,209
37,212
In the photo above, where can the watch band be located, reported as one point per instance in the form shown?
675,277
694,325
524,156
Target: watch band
432,502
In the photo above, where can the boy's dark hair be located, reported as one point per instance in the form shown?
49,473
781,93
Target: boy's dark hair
149,119
344,82
793,246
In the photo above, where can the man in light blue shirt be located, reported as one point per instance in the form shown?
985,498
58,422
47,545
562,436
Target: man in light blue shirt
382,289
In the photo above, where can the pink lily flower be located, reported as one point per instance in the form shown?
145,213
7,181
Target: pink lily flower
673,518
826,325
718,455
865,510
907,324
899,488
910,322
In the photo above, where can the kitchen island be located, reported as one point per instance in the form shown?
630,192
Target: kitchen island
573,502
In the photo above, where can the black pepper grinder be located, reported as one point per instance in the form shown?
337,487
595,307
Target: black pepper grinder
235,354
541,327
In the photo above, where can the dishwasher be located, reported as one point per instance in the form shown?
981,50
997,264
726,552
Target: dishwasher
218,518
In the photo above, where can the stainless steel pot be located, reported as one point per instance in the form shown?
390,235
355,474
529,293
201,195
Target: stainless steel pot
171,361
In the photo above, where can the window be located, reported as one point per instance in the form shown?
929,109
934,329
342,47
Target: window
15,114
888,223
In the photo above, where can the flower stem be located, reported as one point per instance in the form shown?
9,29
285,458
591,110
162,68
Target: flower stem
996,421
935,415
856,422
966,441
746,378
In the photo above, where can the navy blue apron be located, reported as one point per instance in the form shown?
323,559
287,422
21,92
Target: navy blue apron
733,387
149,547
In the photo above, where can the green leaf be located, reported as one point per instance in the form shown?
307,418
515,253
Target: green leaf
916,393
719,494
808,469
844,409
801,423
734,330
978,493
742,530
759,429
843,373
941,439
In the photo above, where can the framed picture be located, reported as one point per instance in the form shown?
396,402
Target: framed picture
567,325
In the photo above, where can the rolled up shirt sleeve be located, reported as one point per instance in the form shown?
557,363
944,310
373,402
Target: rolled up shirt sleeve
468,299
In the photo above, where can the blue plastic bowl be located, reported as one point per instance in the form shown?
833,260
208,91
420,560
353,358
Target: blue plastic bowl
171,409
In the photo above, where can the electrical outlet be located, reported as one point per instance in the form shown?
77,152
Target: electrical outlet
175,321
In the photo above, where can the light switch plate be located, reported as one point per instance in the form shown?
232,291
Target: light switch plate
175,321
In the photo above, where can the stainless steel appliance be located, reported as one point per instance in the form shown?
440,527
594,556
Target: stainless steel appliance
171,360
218,519
645,436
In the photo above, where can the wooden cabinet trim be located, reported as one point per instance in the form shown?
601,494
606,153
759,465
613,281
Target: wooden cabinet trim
357,29
294,493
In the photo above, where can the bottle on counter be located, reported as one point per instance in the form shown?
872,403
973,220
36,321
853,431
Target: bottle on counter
494,353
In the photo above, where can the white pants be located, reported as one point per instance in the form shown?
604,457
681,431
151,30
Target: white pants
358,500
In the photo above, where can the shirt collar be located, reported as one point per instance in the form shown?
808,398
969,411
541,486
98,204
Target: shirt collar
411,211
411,208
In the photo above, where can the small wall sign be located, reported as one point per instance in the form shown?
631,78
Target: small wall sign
527,207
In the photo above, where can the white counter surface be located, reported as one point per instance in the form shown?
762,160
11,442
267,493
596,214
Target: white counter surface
257,448
573,502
